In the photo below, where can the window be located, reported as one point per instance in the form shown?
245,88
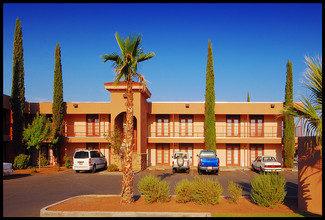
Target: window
162,154
256,150
186,125
92,125
233,122
233,154
256,126
162,126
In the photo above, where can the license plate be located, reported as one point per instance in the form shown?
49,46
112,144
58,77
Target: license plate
273,170
80,163
209,168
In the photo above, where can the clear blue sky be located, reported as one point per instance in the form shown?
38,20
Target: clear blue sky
251,45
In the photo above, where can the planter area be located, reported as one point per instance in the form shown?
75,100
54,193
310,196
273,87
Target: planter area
109,205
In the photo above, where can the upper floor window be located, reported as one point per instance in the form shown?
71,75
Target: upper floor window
256,125
162,125
186,125
233,125
92,125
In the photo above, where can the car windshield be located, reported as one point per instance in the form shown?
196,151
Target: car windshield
269,159
207,154
81,154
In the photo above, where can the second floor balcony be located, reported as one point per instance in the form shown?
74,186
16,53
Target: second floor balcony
224,132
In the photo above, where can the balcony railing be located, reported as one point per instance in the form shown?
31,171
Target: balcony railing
221,131
86,131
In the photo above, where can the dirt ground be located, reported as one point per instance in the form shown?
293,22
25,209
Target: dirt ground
105,203
44,170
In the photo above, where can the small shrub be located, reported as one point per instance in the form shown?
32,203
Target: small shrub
153,189
44,161
206,191
268,190
184,191
235,191
21,161
67,161
112,167
33,170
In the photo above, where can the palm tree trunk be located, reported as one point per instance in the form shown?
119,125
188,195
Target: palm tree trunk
127,183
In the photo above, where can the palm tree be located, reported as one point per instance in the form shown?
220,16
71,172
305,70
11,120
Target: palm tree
126,69
311,108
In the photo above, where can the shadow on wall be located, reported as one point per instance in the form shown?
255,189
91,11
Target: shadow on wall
309,175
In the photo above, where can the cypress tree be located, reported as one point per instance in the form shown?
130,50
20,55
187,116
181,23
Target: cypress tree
209,119
17,98
289,123
248,99
58,105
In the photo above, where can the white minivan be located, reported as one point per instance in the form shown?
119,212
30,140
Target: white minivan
88,160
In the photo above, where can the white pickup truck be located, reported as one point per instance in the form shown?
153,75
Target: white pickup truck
7,169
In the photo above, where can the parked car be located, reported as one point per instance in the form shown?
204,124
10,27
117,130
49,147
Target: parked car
266,164
7,169
181,161
88,160
208,162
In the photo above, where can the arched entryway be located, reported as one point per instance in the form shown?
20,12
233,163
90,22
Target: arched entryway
120,123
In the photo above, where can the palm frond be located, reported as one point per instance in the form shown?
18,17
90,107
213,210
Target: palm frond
121,42
146,56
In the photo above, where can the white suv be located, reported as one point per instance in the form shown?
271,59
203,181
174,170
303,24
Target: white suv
88,160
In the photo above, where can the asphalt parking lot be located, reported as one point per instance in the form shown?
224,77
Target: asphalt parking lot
25,195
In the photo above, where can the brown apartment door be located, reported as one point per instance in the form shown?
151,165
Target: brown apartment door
255,151
233,154
162,154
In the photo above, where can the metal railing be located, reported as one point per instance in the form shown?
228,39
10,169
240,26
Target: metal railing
221,131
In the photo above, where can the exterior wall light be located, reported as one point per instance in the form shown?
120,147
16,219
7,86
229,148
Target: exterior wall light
125,95
272,105
75,105
187,105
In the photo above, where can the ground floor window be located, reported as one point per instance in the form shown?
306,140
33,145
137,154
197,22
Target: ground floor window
255,151
233,154
187,148
162,154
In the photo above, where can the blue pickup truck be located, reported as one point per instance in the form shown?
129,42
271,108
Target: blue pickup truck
208,162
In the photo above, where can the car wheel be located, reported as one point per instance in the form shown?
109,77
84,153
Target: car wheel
77,171
253,168
217,172
93,170
261,170
174,170
199,171
188,171
105,166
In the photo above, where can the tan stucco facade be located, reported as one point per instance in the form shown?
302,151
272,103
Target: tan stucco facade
104,116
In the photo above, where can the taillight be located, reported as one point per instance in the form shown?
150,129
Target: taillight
72,160
200,162
89,160
173,163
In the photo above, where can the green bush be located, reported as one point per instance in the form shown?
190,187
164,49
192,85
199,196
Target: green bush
67,161
21,161
184,191
112,167
235,191
33,170
268,190
44,161
153,189
206,191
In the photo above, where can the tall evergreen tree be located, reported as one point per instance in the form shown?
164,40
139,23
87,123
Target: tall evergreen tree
209,120
17,98
58,105
248,98
289,123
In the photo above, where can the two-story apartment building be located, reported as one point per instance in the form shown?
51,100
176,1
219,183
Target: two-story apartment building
244,130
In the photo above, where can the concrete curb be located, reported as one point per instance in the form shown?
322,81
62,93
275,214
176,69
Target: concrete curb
45,213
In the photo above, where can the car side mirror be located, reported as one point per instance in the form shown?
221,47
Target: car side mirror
172,156
197,155
191,156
